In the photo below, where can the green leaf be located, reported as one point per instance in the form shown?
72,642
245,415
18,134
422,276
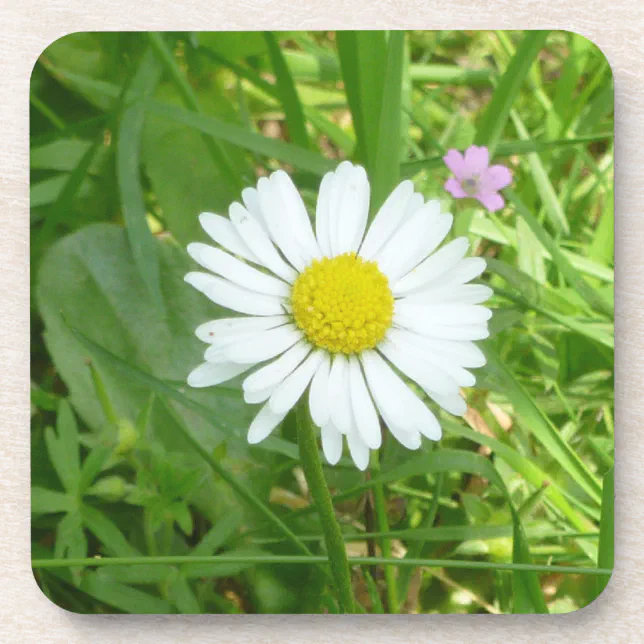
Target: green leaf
271,148
63,448
128,162
288,93
95,266
498,109
219,155
44,501
101,586
107,533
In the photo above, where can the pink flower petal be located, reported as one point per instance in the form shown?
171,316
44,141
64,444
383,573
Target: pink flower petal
477,159
455,162
493,201
454,188
495,178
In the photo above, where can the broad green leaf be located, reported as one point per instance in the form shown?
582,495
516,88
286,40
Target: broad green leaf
95,266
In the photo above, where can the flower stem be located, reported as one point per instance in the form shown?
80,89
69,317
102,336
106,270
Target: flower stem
322,498
380,508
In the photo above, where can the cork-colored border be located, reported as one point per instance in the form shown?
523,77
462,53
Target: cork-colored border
28,27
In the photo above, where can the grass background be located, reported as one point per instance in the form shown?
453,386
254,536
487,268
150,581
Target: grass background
132,135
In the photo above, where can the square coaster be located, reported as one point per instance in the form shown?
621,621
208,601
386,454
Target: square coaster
322,322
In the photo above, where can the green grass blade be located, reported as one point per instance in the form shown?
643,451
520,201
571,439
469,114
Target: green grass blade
347,42
506,149
271,148
497,112
387,154
606,554
178,560
128,169
570,273
287,93
534,420
187,93
546,191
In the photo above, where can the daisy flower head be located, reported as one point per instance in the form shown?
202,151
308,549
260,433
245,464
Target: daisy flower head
348,317
475,178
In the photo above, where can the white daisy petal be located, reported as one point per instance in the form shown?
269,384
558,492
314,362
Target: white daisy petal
264,345
426,374
280,228
465,354
416,239
415,202
323,214
462,293
350,219
340,178
296,214
319,393
432,267
444,331
209,331
358,450
263,424
251,202
331,443
339,398
464,271
223,232
209,374
454,403
403,412
234,297
236,271
364,412
443,313
291,388
259,242
272,374
438,365
259,396
387,220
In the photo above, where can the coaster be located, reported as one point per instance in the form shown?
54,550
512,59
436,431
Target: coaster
322,322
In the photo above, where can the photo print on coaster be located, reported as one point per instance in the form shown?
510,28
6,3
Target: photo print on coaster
322,322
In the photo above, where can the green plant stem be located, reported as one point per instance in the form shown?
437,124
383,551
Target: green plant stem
322,498
177,560
380,507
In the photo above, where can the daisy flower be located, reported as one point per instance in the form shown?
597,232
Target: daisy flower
475,177
346,318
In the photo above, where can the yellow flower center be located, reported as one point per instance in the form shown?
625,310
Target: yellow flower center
343,304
